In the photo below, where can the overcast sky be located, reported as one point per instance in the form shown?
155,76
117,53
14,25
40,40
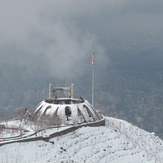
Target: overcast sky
61,35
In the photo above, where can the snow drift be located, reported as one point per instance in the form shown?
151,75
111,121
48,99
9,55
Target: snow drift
117,141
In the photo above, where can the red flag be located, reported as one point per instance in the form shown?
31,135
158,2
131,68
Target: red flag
93,58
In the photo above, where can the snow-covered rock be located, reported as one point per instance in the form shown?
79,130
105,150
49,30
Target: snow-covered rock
117,142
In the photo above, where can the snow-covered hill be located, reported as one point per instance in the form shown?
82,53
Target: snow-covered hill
117,142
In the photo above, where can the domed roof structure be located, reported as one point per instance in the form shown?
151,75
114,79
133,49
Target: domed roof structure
66,111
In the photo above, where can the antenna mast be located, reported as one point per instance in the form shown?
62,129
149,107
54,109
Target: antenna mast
93,77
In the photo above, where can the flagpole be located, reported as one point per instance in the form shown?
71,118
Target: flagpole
93,77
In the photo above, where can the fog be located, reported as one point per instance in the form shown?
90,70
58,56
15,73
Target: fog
44,34
61,35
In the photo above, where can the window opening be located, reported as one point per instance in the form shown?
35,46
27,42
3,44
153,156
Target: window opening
89,113
44,113
81,118
38,110
67,112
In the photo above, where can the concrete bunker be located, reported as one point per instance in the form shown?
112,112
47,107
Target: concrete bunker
67,110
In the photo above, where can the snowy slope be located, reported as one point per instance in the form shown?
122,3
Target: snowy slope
117,142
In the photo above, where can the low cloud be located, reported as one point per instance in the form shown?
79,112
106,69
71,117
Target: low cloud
61,35
35,36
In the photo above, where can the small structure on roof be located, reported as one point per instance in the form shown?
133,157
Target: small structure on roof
67,110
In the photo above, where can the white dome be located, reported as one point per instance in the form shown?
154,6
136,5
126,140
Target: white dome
65,111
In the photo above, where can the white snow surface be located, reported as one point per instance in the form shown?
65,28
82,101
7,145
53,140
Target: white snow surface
116,142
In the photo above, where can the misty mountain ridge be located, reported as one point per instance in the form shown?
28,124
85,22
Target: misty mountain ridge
122,90
45,42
